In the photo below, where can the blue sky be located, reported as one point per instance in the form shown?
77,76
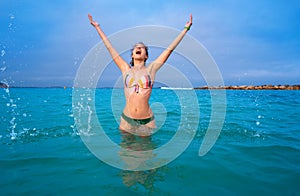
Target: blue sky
253,42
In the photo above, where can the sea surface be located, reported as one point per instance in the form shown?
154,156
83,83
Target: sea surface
257,152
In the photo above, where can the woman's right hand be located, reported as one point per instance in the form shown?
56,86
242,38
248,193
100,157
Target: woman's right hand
94,23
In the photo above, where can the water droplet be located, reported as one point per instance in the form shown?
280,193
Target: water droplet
2,69
2,53
257,123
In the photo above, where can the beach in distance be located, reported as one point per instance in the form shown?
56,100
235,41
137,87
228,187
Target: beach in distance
252,87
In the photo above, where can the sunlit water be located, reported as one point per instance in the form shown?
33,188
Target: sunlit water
257,152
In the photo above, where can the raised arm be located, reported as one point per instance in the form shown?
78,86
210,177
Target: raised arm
156,65
120,62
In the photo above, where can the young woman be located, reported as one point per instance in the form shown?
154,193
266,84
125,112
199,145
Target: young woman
137,116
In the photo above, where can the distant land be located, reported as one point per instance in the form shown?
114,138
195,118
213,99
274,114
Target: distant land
251,87
231,87
3,85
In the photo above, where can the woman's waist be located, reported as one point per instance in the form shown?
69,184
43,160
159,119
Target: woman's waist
137,101
135,112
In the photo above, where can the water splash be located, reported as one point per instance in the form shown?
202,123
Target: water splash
10,24
85,112
12,107
11,16
76,60
2,69
2,53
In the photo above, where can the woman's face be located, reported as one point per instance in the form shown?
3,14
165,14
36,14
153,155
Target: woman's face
139,52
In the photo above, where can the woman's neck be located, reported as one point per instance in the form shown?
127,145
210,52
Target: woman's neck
139,64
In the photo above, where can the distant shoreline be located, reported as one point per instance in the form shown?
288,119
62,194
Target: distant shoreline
252,87
230,87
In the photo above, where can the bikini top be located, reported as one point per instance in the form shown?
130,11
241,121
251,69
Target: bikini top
143,82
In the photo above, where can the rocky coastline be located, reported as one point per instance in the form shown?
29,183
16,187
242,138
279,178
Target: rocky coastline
252,87
3,85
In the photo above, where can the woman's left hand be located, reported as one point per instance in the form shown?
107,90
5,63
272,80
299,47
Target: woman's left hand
189,23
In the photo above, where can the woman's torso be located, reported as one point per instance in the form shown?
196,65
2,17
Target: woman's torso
137,88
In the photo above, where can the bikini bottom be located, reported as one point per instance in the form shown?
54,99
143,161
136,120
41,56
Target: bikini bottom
137,122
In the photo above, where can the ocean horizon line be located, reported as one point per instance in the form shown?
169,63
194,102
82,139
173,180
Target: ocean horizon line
225,87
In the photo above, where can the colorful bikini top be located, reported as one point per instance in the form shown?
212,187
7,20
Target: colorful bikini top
143,82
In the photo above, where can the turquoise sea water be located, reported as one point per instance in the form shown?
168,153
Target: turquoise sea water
257,152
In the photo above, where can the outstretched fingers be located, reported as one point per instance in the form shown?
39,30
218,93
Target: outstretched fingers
90,17
189,23
94,23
